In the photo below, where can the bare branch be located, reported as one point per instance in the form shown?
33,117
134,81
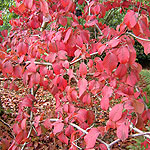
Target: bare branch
85,132
98,29
137,37
40,63
31,124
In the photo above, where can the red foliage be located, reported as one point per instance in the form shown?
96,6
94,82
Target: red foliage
44,58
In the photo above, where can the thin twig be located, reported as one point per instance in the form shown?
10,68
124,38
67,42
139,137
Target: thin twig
137,37
84,131
71,63
40,63
31,124
98,29
139,131
142,98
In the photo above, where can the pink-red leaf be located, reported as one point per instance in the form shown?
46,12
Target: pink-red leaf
63,138
110,62
28,3
91,137
116,112
44,7
105,102
82,84
58,127
123,55
7,67
68,34
107,91
83,69
122,131
23,124
47,124
130,18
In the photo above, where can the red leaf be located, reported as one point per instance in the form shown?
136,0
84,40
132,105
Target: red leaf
82,115
107,91
27,102
122,131
47,124
7,67
57,67
62,54
102,147
32,67
110,62
82,84
39,130
58,127
4,33
105,102
17,71
91,23
114,42
35,78
19,137
90,117
69,130
68,34
44,7
91,137
1,22
63,20
101,48
123,55
132,79
146,45
65,3
86,99
36,121
51,57
130,18
16,128
83,69
121,71
23,124
138,106
116,112
28,3
63,138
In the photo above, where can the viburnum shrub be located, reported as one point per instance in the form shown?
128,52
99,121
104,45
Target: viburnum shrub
87,66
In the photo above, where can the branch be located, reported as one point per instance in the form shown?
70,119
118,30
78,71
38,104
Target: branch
85,132
142,98
98,29
7,125
45,22
40,63
71,63
139,131
137,37
31,125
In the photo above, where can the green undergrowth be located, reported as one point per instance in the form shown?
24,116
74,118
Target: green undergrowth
145,74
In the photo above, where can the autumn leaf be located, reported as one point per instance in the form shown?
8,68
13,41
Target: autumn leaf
58,127
110,62
91,137
44,7
130,18
116,112
83,69
122,131
82,84
123,55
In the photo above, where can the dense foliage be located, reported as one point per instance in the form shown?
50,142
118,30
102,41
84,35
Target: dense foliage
84,63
